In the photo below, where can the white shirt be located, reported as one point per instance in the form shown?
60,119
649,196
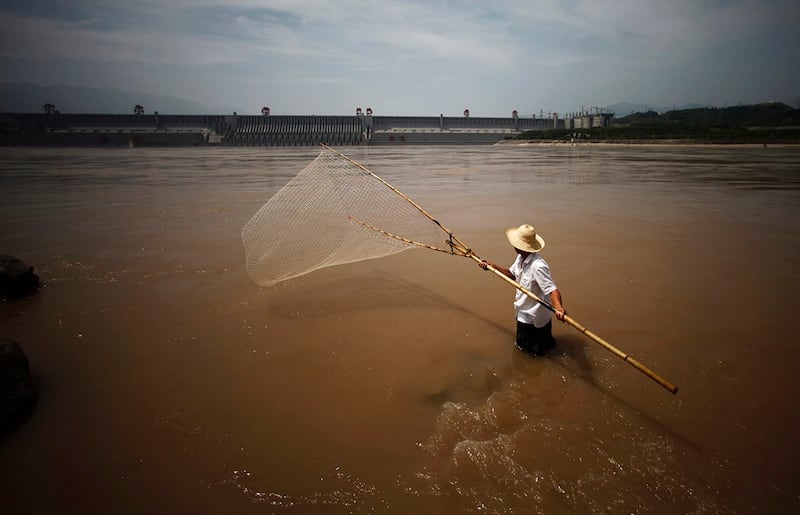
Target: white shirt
534,274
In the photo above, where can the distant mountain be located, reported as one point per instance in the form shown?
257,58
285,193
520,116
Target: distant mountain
761,124
768,114
624,108
29,98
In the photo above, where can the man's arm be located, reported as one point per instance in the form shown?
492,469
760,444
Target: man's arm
557,303
505,271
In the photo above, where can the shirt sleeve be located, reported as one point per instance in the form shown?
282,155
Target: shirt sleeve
544,279
515,269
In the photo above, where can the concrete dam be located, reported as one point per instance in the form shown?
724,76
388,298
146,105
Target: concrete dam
53,129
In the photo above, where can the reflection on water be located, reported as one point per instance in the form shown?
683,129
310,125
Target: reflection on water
270,168
172,384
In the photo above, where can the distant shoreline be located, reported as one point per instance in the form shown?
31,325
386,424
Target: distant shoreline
646,142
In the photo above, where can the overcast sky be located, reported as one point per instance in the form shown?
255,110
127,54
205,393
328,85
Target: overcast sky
411,57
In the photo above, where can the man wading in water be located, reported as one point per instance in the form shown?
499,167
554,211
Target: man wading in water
531,271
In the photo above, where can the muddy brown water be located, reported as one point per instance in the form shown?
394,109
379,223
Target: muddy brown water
171,383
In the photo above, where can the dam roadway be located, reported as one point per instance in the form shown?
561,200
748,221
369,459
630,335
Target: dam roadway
75,129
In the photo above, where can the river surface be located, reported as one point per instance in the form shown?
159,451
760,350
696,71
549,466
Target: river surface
171,383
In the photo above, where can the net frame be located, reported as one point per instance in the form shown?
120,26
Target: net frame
336,211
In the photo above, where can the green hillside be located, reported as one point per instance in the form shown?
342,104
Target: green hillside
761,123
772,114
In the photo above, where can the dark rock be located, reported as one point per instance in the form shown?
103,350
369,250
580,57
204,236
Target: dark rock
16,278
18,394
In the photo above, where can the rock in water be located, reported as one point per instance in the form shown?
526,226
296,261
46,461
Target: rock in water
17,392
16,278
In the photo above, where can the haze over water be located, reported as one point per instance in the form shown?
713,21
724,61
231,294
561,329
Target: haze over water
171,383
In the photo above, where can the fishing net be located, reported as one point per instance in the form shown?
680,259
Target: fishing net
333,212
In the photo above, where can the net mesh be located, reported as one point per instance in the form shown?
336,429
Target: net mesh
333,212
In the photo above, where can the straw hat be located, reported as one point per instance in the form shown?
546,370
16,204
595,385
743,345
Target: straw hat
525,238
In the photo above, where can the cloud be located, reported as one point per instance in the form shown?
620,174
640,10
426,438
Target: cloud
39,39
452,51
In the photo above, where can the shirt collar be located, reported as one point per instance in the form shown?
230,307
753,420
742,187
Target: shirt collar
527,260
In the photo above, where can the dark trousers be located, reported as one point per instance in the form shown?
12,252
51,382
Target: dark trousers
536,340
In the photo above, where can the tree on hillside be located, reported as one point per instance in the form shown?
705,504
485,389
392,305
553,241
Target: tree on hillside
138,109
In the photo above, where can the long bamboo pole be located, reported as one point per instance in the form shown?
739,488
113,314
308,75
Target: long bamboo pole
459,248
574,323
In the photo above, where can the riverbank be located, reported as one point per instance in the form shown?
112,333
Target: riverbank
648,142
